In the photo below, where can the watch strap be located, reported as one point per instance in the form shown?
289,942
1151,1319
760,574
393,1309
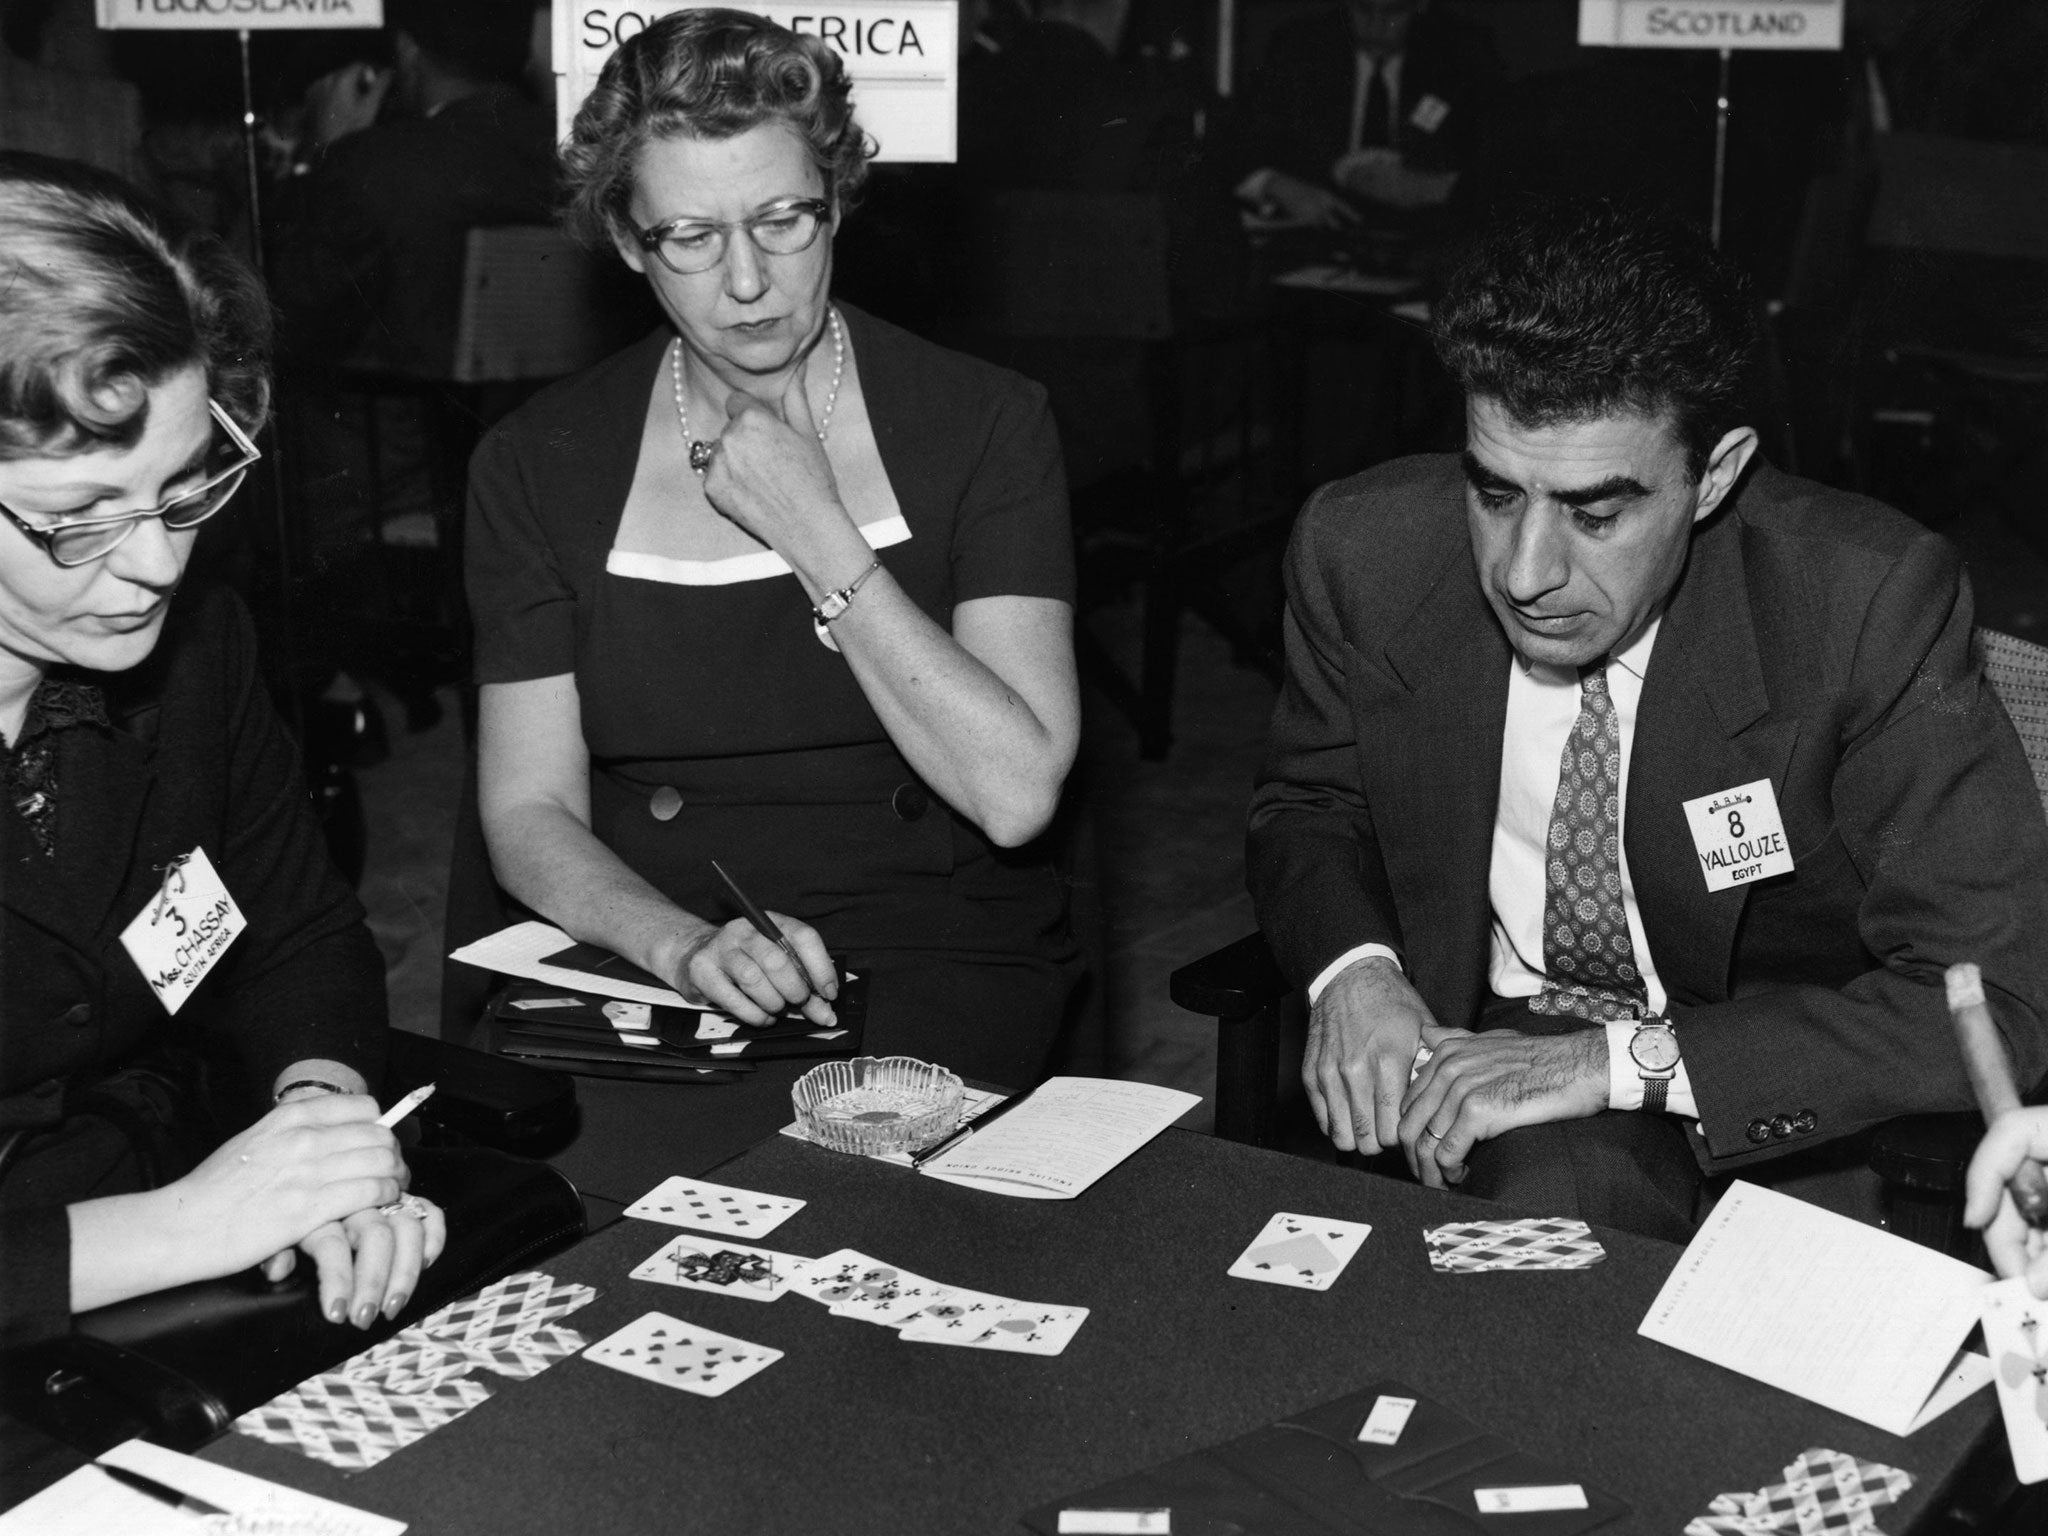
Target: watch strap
837,601
1655,1092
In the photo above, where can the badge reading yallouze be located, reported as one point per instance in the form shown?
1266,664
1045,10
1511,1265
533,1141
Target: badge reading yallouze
1739,835
184,929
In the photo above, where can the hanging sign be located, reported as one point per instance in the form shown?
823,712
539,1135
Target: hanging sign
237,15
1732,24
902,55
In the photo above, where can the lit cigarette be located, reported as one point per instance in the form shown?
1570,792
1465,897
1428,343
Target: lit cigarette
405,1106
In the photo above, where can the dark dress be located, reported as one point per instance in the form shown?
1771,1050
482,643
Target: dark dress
722,693
182,752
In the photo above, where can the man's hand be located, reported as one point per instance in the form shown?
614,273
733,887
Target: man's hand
1362,1035
2015,1247
1476,1086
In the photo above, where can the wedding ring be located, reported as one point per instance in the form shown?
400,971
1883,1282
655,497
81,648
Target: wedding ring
700,455
411,1205
1429,1135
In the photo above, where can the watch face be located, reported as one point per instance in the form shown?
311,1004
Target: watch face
1654,1048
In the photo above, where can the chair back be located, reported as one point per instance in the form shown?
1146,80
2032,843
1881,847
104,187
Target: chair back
1069,265
534,306
2018,673
1966,197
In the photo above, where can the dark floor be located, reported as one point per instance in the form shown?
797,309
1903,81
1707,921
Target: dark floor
1159,869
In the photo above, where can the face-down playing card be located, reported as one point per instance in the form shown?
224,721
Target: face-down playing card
722,1268
673,1353
1547,1242
714,1208
1305,1251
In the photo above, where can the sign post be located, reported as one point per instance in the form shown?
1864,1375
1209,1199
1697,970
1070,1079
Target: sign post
903,57
1723,25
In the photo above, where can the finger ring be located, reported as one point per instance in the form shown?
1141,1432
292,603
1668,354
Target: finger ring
1429,1135
700,455
410,1205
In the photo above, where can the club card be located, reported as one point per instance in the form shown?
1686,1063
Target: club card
861,1287
960,1315
1548,1242
722,1268
2016,1336
1305,1251
1032,1329
714,1208
674,1353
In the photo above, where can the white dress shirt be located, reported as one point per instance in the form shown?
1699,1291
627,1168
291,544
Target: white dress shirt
1543,705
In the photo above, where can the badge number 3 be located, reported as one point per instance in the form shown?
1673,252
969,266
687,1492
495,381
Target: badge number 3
184,929
1739,835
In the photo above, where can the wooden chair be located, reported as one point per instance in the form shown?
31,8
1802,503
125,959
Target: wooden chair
1920,1158
1075,289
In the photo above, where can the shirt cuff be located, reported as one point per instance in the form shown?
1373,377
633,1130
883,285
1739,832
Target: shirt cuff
1625,1079
1343,962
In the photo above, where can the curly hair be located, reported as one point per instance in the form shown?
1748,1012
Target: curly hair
102,297
708,74
1573,308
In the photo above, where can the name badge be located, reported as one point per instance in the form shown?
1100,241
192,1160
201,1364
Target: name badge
1429,113
186,928
1739,835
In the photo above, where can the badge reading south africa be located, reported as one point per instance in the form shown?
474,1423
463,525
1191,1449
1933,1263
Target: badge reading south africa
184,930
1739,835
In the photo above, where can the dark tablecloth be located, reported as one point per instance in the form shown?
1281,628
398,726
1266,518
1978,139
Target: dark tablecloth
856,1431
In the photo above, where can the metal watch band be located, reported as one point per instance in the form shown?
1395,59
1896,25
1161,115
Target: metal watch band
1655,1090
836,602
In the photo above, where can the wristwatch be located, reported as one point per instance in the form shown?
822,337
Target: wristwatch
1654,1049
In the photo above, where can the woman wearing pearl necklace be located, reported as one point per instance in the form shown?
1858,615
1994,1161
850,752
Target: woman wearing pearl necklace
782,586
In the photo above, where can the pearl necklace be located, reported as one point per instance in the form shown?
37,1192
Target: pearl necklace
699,451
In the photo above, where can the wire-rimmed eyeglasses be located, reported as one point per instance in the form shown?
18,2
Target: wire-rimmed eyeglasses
86,539
690,245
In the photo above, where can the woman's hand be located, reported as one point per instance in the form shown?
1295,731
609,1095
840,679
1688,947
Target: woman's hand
769,474
741,972
369,1262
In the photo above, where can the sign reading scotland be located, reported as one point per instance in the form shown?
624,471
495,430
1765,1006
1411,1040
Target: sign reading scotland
237,15
903,57
1711,23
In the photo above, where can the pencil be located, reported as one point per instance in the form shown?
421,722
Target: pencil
1991,1077
763,923
405,1106
968,1128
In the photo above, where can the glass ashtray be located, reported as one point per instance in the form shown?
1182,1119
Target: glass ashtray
877,1104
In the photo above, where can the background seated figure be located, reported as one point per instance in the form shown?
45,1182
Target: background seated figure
137,738
781,585
1529,687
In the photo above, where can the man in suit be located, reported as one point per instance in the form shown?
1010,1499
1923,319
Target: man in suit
1626,797
1379,100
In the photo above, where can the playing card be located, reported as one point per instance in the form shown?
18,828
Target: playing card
1549,1242
664,1349
960,1315
723,1268
2016,1337
1031,1329
1825,1493
714,1208
501,1312
857,1285
1306,1251
351,1424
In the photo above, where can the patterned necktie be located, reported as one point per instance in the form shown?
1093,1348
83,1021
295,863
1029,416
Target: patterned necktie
1588,962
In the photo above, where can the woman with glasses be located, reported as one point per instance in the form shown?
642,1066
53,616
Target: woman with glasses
178,962
781,586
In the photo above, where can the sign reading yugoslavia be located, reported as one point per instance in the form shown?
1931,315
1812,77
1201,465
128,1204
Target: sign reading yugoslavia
903,56
1711,23
237,15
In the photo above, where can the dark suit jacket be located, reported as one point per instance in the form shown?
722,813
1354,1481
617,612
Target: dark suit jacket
1297,105
368,264
194,756
1817,639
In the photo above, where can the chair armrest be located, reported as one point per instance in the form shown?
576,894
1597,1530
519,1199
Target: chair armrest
490,1099
1232,983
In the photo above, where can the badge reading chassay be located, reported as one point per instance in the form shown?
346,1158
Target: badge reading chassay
184,930
1739,835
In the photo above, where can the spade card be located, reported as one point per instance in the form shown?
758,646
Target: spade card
2016,1335
722,1268
1548,1242
1305,1251
663,1349
1031,1329
714,1208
